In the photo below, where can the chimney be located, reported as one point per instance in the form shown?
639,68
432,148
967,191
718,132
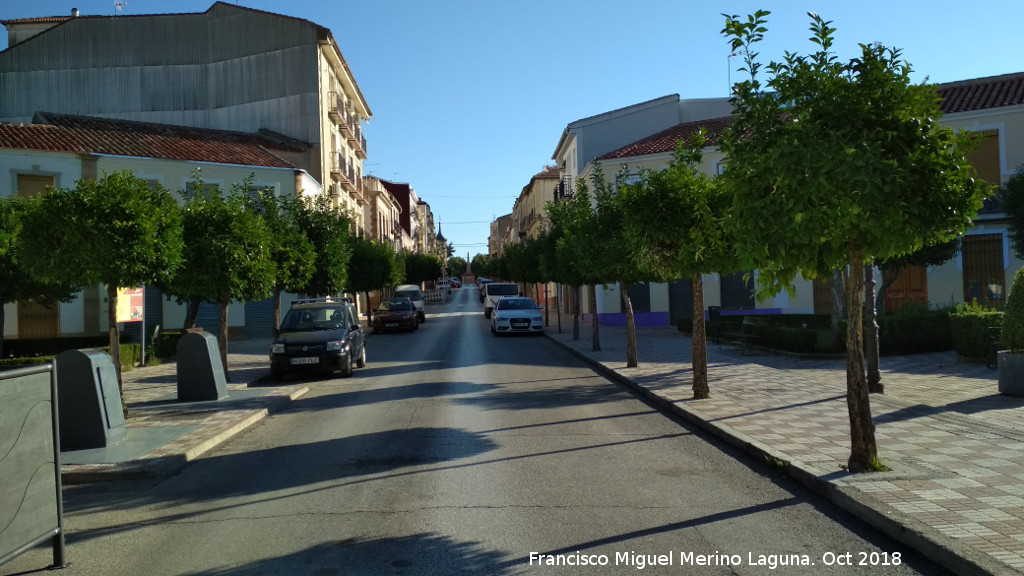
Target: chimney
74,12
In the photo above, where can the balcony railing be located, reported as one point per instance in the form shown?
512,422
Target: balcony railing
563,189
337,165
334,108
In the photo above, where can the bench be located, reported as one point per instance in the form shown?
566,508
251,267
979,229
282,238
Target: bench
751,333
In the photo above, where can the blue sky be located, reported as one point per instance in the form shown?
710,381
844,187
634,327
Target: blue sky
470,96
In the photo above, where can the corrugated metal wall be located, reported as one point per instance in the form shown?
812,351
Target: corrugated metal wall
230,68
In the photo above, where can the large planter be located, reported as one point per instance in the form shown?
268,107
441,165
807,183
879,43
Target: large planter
1011,373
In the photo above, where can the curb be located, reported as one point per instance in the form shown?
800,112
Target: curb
940,549
164,466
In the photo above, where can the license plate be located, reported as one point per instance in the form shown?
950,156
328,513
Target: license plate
391,325
306,360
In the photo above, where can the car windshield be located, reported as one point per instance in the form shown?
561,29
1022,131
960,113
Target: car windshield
516,304
313,319
502,289
396,305
410,294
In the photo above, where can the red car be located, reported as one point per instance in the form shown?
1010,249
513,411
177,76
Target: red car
395,314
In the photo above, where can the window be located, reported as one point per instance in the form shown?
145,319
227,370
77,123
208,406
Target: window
192,189
985,158
984,273
33,184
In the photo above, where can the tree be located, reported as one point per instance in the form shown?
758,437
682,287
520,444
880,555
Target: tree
480,264
456,266
565,217
421,268
578,244
371,267
15,282
118,231
1012,196
329,231
228,254
688,238
613,255
291,251
832,164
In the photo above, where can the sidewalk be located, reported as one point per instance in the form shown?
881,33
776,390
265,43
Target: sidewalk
955,446
163,435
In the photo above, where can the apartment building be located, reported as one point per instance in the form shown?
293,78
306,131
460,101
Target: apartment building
229,68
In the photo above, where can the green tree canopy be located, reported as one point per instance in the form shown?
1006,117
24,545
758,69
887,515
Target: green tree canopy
228,253
1012,196
688,238
421,268
15,282
371,267
330,232
834,163
456,266
291,251
118,231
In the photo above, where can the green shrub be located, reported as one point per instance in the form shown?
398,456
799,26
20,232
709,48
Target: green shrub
799,340
30,347
1013,321
913,329
685,325
166,343
970,325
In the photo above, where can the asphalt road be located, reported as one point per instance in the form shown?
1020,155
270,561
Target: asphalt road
457,452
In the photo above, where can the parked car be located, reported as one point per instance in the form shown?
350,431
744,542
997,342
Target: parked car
455,283
481,283
443,285
395,314
515,314
413,292
496,291
319,335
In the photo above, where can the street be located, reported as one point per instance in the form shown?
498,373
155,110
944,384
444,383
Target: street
457,452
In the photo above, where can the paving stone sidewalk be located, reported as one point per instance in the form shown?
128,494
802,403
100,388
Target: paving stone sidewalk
955,445
163,435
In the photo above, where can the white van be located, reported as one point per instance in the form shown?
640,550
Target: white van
496,291
413,292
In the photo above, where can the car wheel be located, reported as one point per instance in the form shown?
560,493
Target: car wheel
276,375
346,365
487,314
493,331
361,362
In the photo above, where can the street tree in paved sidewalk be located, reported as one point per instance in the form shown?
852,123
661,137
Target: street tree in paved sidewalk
580,246
688,238
832,164
371,267
118,230
615,257
228,253
565,217
291,251
16,285
330,232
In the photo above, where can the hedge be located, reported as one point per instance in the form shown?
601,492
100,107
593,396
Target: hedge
971,326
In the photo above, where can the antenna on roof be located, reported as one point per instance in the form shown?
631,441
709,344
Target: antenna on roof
118,5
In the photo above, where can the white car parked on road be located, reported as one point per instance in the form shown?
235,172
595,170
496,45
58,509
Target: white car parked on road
515,314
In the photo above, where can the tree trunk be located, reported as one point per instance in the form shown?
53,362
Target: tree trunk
115,340
631,359
369,309
576,312
2,320
277,309
837,288
192,313
864,451
871,335
222,339
594,324
699,347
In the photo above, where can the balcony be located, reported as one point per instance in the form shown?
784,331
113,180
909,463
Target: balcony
337,166
563,189
334,108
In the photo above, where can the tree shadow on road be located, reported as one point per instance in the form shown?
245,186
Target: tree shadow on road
418,554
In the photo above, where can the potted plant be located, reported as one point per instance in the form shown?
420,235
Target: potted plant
1011,360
